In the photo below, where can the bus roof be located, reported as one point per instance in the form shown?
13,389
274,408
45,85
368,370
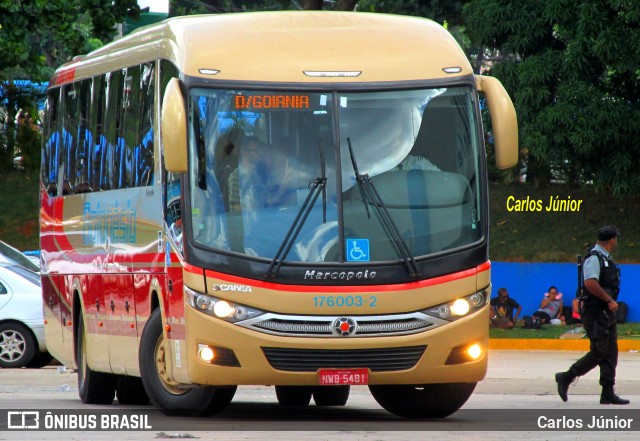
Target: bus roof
282,46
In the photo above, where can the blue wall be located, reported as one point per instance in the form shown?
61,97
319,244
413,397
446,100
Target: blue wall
527,283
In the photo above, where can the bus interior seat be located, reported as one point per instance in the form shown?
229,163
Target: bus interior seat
431,208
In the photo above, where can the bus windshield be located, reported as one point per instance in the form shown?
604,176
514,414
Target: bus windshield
278,175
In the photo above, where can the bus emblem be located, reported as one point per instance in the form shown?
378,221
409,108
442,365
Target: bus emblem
344,326
234,288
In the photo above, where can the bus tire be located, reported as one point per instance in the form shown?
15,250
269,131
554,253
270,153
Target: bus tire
331,395
130,390
423,401
167,395
294,396
93,387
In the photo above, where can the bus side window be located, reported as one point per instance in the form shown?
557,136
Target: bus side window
69,135
51,145
98,106
52,189
85,139
130,136
173,207
144,153
110,159
57,159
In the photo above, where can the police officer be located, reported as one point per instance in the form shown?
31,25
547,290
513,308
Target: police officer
602,284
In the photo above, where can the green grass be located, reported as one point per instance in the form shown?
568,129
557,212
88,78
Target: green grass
559,236
626,331
19,207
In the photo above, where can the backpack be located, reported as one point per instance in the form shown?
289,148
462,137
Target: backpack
531,322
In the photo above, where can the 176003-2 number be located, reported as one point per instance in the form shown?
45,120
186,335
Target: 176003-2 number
330,301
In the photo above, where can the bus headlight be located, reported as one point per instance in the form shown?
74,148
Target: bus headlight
466,353
222,309
460,307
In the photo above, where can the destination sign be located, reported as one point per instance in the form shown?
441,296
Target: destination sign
251,102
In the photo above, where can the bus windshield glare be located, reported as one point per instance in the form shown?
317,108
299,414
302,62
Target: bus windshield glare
257,160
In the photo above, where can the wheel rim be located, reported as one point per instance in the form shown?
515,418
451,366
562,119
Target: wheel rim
12,346
161,368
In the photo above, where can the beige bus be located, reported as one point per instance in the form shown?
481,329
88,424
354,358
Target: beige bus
296,199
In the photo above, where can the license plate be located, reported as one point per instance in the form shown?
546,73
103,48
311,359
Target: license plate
343,376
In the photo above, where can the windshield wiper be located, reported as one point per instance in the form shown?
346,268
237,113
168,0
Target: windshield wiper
371,196
316,187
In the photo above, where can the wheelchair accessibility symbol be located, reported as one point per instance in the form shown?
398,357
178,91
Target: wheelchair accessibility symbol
357,250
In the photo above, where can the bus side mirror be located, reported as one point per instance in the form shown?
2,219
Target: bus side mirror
173,122
503,120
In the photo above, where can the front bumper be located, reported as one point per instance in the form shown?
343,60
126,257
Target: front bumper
248,347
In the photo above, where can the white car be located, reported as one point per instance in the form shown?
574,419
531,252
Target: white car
21,318
9,254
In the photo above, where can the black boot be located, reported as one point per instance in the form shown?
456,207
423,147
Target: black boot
608,396
564,380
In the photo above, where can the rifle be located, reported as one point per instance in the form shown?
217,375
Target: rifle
580,293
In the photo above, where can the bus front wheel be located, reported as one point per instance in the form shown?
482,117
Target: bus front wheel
294,396
331,395
166,394
423,401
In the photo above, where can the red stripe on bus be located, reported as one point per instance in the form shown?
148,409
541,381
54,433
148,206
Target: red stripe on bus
342,288
64,76
484,267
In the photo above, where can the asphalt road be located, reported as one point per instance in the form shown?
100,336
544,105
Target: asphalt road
518,395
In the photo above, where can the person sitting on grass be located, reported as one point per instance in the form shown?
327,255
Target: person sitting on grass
550,307
576,310
502,308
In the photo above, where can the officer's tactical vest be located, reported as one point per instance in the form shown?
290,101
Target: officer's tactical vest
609,280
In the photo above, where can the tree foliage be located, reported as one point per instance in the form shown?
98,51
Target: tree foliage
573,70
442,11
39,35
189,7
36,36
439,10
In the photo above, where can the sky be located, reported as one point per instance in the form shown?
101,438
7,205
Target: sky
155,5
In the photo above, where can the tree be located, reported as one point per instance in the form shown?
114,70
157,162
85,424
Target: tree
36,36
573,70
189,7
442,11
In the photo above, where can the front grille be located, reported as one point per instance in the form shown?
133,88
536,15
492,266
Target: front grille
299,327
369,328
325,326
310,360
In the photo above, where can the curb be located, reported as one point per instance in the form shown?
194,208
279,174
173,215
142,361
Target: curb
555,344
